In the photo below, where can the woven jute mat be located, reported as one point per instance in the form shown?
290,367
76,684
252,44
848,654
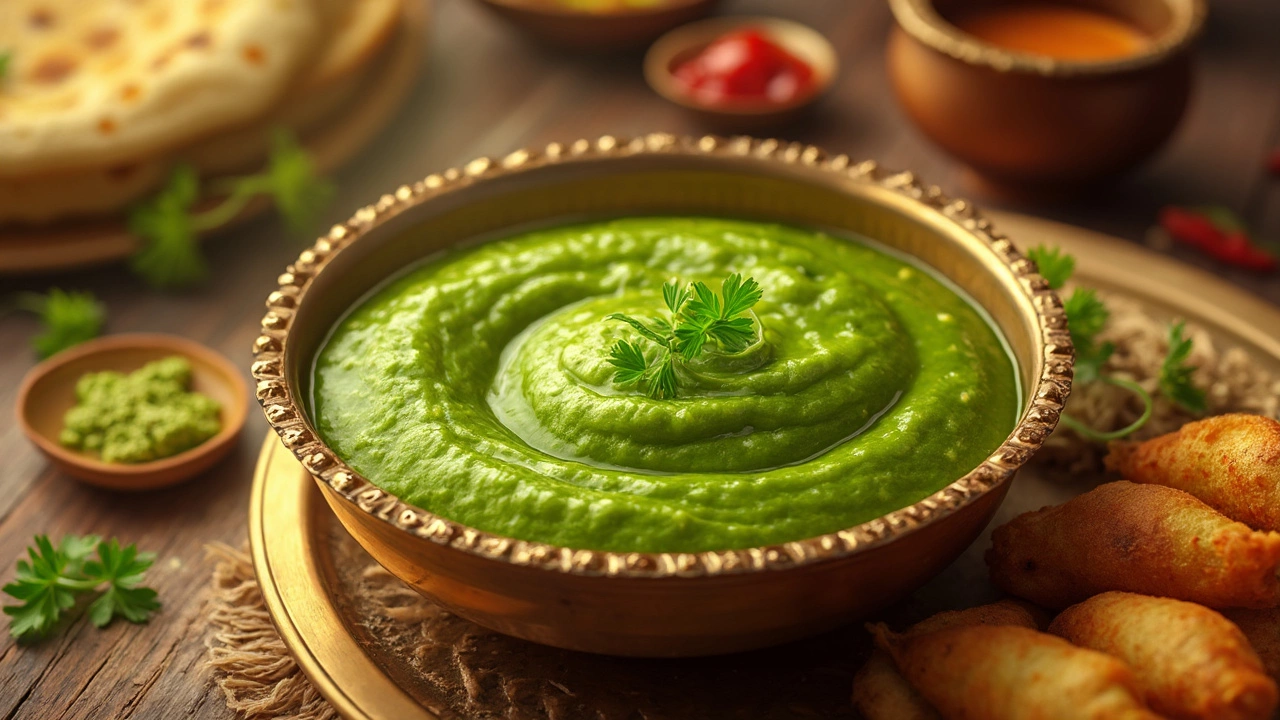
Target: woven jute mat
459,670
250,662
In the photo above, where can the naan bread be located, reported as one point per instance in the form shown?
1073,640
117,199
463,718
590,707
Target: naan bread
349,61
98,82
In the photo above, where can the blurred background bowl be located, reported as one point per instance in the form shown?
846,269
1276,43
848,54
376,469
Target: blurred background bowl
683,43
608,30
1023,120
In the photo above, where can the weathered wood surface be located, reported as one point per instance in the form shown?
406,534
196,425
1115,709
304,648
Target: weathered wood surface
486,91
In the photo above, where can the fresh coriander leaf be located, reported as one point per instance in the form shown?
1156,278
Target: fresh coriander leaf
1175,373
68,319
4,64
641,328
36,585
1055,266
629,359
739,296
299,192
121,569
733,335
690,338
663,383
1091,360
674,295
1086,316
46,586
704,308
170,257
133,604
76,549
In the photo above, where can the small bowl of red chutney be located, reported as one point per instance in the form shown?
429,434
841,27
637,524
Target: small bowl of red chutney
742,72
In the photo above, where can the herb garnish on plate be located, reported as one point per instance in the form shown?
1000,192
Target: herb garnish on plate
1087,316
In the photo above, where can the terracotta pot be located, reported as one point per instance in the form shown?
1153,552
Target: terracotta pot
662,604
1021,119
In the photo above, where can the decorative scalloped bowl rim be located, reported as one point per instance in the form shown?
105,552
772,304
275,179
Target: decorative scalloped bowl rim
286,417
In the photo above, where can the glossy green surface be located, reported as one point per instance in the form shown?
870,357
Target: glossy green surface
477,387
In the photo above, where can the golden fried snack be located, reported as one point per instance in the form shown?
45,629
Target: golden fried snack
1262,627
881,693
1147,539
989,672
1190,662
1231,462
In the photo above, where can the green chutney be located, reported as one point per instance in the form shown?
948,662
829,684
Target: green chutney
146,415
477,386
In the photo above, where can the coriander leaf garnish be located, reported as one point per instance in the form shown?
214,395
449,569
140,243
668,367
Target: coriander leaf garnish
1175,373
629,359
47,585
169,257
121,569
168,227
1055,266
698,316
67,319
1087,317
4,64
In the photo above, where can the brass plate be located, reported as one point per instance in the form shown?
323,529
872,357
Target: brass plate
300,553
98,241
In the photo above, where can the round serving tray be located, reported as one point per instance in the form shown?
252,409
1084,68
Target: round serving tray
310,571
97,241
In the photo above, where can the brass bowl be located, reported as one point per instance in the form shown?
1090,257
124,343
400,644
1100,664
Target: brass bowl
662,604
1020,119
685,42
608,31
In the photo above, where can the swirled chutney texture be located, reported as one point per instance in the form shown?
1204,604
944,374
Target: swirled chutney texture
478,386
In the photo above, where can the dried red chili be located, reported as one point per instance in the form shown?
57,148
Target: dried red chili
1219,237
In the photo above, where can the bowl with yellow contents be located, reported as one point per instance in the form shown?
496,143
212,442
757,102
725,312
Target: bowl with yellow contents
666,396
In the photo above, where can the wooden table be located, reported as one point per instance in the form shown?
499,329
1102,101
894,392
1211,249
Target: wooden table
486,91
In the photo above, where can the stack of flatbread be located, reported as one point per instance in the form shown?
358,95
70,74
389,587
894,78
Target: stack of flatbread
102,98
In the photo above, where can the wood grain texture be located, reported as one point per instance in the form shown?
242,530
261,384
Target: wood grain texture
487,91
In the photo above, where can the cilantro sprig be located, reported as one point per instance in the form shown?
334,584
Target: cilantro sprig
698,316
1087,317
46,585
168,226
1175,373
66,318
4,64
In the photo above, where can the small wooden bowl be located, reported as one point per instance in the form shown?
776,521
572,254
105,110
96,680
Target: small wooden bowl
1024,121
619,30
683,43
48,391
